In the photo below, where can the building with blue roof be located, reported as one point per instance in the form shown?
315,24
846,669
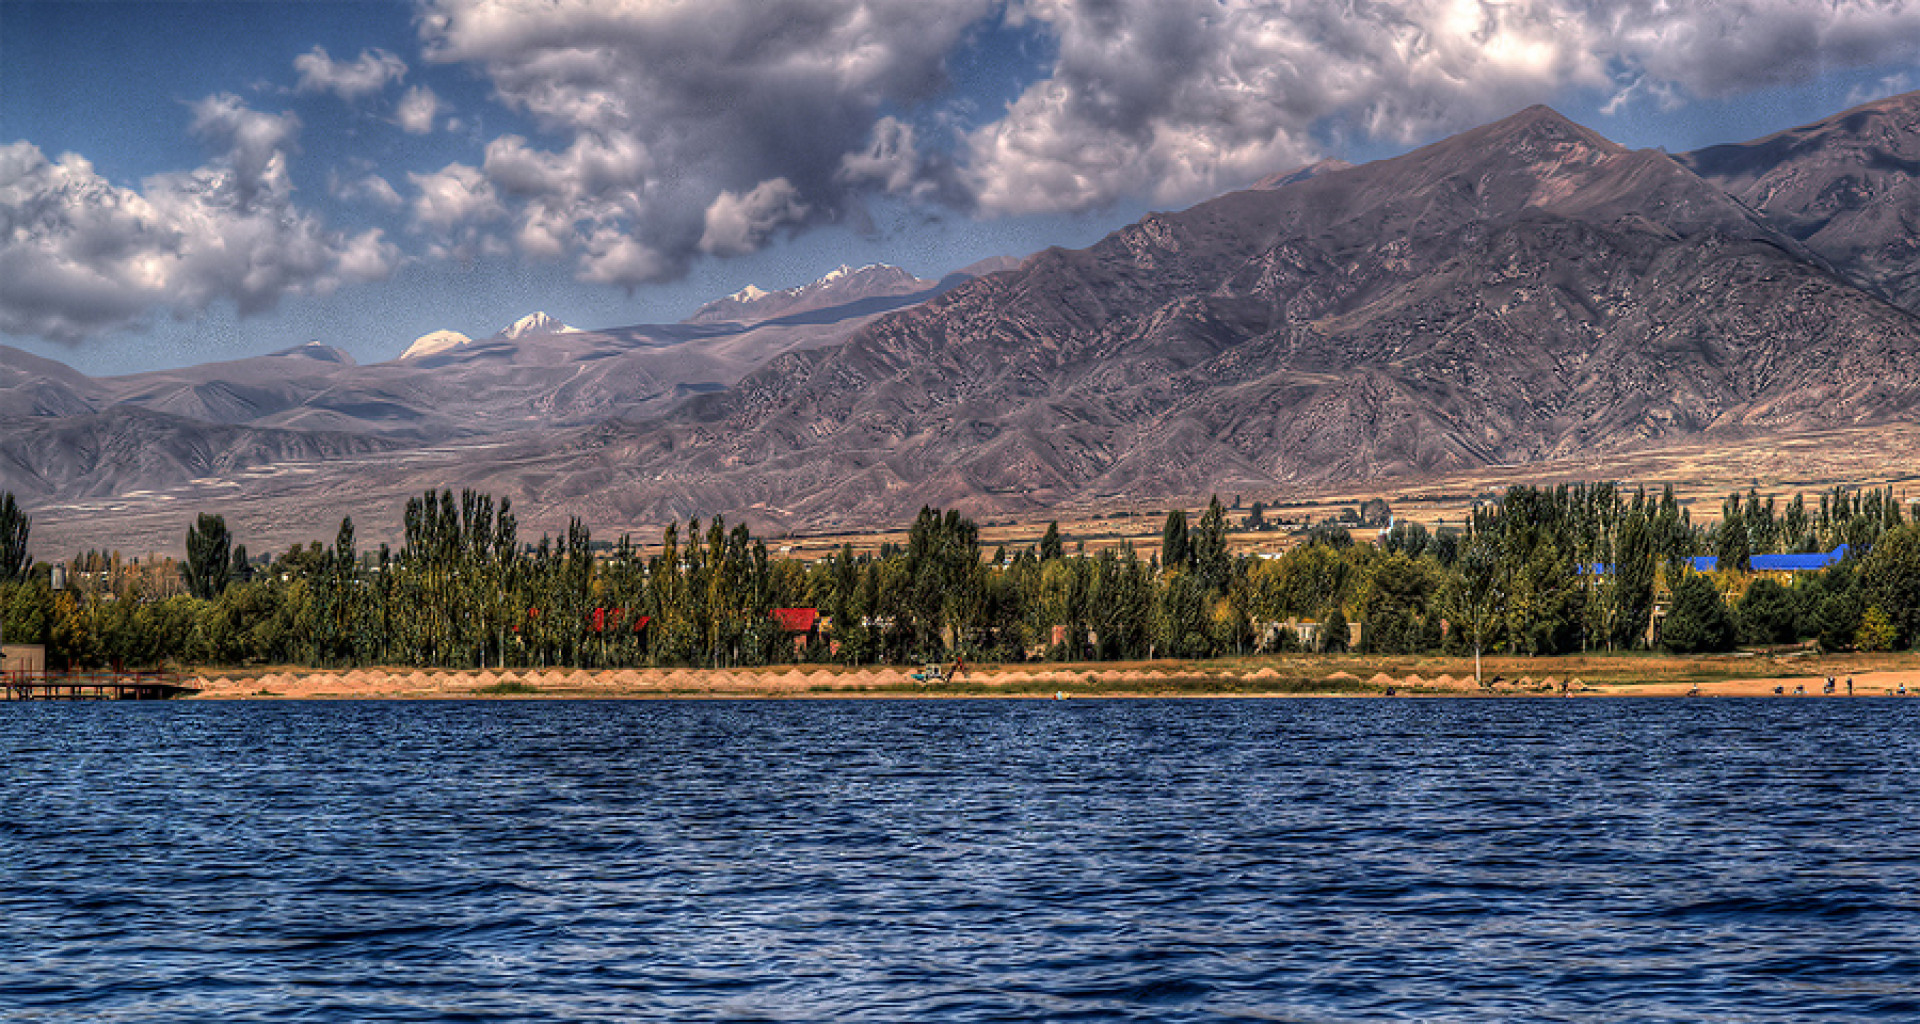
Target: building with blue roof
1814,562
1779,563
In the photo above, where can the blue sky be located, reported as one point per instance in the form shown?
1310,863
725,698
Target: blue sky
183,182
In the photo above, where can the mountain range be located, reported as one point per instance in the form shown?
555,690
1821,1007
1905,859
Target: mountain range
1520,292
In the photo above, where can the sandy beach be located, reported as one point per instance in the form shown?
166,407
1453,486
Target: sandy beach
1295,678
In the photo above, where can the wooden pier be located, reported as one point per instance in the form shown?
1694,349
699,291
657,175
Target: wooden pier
92,686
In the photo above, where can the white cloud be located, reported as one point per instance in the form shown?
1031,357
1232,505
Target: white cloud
366,257
80,255
738,225
1727,48
256,143
1888,85
891,162
1175,99
577,200
371,188
670,131
455,195
668,107
456,207
351,82
417,109
672,117
610,257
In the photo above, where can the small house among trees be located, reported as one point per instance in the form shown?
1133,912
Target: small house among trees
801,625
1787,564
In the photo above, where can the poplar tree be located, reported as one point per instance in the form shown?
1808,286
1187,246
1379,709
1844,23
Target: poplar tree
1050,545
1634,571
14,526
209,557
1207,547
1173,540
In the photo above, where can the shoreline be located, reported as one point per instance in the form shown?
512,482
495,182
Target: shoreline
1298,676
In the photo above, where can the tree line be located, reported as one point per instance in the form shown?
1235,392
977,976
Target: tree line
1536,571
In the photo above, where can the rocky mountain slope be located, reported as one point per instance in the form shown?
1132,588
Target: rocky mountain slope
1518,292
129,452
1525,291
1848,186
535,377
838,287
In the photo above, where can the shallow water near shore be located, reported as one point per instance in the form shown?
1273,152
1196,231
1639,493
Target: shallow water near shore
1150,860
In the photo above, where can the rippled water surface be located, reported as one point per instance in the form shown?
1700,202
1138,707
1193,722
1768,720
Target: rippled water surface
1201,860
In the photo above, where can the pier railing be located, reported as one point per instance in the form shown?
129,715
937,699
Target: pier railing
92,686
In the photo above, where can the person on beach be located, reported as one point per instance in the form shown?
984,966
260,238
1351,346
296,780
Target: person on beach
1849,686
959,666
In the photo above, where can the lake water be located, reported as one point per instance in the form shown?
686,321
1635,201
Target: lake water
1179,860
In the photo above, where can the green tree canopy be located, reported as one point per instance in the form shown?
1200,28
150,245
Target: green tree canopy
1173,540
1698,621
209,556
1766,614
1050,546
14,527
1890,575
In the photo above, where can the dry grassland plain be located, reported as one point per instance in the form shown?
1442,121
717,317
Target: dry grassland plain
1701,473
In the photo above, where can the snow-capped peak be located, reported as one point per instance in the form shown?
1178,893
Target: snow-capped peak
434,343
535,324
841,284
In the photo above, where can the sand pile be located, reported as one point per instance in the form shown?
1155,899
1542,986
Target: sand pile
823,678
625,679
878,677
1342,677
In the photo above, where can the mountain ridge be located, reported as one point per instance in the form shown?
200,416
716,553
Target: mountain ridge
1271,335
1847,186
839,286
1525,291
